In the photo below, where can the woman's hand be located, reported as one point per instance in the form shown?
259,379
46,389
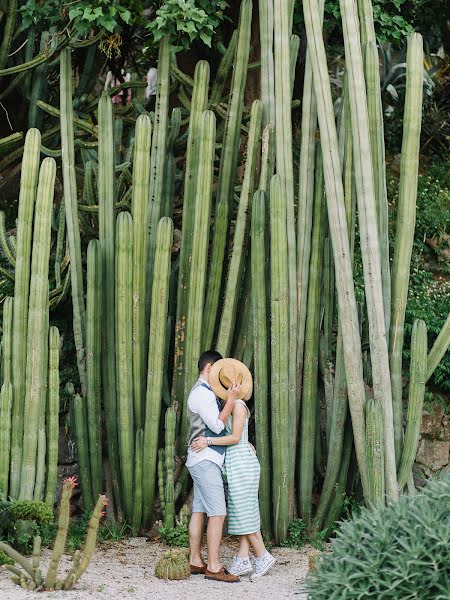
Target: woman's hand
234,391
199,444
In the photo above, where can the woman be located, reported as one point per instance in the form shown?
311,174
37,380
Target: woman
242,474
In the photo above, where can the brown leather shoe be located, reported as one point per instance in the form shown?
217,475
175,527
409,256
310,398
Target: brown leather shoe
222,575
198,570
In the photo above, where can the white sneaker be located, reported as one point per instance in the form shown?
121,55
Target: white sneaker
240,566
262,566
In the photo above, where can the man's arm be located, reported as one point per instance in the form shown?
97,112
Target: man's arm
209,413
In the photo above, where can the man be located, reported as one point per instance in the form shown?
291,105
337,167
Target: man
208,418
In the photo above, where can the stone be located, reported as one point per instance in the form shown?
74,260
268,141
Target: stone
433,453
431,422
445,430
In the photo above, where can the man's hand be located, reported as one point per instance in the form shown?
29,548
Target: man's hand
234,392
199,444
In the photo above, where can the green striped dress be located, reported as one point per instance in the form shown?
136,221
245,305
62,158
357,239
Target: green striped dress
242,475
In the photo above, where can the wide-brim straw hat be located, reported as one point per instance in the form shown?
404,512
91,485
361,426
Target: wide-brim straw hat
226,370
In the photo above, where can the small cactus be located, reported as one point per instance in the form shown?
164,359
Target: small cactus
174,564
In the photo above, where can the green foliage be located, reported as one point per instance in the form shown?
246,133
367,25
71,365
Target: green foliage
187,20
113,532
399,551
297,535
4,559
32,510
175,536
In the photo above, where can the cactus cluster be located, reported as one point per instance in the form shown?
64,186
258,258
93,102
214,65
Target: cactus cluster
173,564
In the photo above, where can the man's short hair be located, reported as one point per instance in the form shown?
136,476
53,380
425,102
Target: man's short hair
208,357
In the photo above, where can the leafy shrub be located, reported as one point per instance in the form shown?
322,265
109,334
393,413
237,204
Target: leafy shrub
4,559
297,535
396,552
32,510
175,536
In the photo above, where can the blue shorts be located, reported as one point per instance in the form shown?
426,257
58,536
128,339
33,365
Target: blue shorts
209,495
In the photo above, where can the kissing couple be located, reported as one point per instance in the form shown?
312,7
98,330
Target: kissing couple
219,446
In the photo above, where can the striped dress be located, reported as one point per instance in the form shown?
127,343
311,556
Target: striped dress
242,475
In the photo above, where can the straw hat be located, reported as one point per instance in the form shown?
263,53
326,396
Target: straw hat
222,374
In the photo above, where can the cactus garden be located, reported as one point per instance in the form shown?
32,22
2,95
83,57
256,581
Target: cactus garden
267,179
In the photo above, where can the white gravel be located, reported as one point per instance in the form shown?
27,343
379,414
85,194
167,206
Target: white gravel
125,571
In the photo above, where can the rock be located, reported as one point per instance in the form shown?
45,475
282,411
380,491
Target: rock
431,422
433,453
445,430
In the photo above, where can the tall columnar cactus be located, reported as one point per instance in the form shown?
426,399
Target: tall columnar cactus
161,480
261,348
197,280
417,380
158,156
155,372
339,233
139,211
82,441
124,353
5,434
94,312
52,423
71,204
406,220
7,341
37,342
439,348
222,72
198,105
5,242
170,423
138,483
236,267
266,34
27,196
310,368
375,451
106,217
215,274
279,310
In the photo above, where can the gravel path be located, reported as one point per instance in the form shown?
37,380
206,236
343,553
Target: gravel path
125,571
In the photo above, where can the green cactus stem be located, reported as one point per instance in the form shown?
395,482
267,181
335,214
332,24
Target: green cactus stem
37,342
266,34
199,104
236,267
7,341
417,380
138,482
52,423
310,368
28,183
93,362
260,341
406,220
79,416
225,65
5,434
60,243
375,452
4,241
197,280
438,349
71,205
8,31
170,424
161,479
124,354
279,311
155,372
106,217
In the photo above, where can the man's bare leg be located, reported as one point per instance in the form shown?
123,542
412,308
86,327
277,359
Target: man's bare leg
214,539
196,528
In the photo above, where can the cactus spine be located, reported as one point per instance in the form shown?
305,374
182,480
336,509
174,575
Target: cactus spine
5,434
279,310
406,219
93,362
52,416
375,452
169,504
236,268
36,373
198,105
71,204
105,181
260,341
155,372
139,210
417,380
197,279
309,399
28,183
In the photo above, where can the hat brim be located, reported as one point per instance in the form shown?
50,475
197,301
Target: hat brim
219,389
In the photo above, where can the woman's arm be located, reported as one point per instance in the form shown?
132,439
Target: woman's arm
239,416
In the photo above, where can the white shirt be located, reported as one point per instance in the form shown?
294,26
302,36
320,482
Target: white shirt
202,401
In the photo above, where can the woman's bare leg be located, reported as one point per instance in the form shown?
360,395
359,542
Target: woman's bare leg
256,540
244,546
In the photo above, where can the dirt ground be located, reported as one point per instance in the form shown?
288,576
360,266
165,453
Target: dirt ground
125,571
